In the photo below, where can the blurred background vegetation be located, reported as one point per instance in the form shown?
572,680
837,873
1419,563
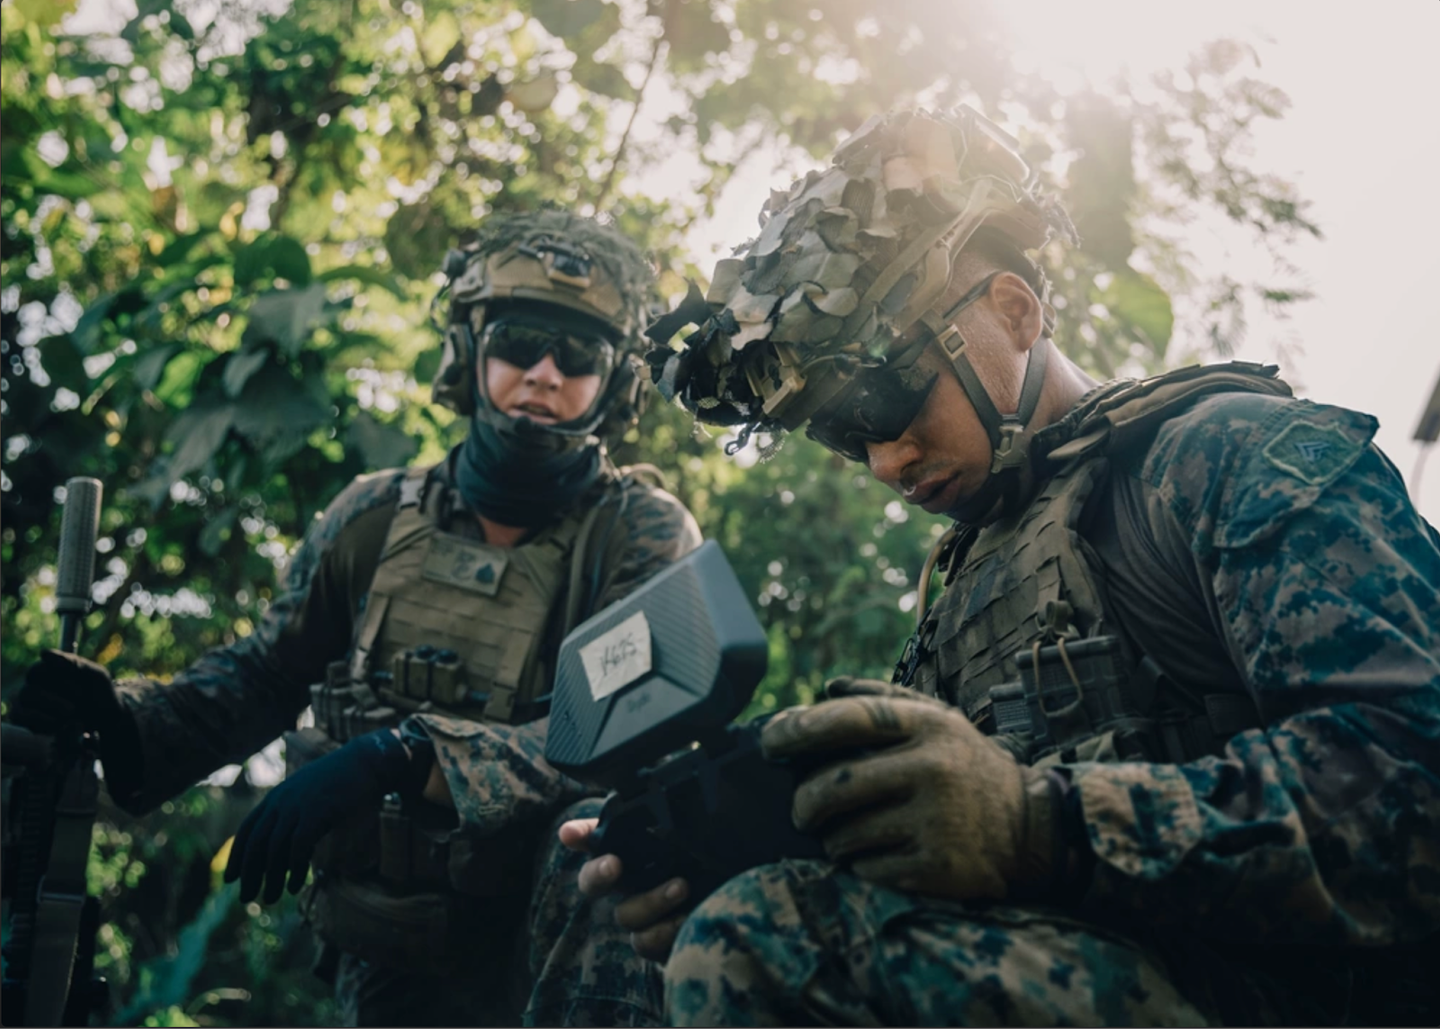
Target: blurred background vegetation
222,224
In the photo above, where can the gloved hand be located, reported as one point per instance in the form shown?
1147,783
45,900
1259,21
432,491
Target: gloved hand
280,834
929,804
851,686
63,692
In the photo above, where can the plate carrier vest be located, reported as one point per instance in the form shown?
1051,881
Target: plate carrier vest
1021,640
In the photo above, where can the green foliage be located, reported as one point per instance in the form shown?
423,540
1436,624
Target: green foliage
219,239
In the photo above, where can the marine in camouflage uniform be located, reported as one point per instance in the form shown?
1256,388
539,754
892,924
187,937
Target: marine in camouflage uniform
1197,621
421,616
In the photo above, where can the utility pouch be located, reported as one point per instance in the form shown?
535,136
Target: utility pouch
406,932
344,707
428,673
1136,742
413,856
395,841
1075,695
428,933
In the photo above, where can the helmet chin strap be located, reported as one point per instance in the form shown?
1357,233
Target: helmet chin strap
1009,433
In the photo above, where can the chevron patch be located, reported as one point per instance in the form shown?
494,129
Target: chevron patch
1312,449
1313,453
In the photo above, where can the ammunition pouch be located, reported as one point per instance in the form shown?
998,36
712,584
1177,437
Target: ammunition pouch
417,933
410,849
1082,700
431,674
391,888
345,709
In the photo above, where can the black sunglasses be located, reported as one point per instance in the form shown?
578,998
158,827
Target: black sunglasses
879,403
876,407
524,344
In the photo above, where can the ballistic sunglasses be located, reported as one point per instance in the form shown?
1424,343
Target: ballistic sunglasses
524,342
879,403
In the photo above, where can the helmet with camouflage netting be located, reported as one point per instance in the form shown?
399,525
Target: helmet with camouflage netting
850,273
574,274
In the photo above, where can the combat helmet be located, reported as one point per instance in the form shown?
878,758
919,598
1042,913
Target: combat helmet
573,269
850,272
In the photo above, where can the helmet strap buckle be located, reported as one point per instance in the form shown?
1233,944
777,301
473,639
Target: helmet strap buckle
1013,448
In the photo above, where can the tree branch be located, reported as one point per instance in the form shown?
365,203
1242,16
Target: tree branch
609,182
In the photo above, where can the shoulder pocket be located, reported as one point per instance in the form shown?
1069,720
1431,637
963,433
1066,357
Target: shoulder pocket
1294,459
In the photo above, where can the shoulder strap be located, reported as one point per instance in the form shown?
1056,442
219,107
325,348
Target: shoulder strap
1126,413
412,524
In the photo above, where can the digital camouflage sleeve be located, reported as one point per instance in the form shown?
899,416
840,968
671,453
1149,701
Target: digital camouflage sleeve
236,699
497,773
1323,828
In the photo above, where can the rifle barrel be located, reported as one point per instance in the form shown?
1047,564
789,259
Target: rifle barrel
75,571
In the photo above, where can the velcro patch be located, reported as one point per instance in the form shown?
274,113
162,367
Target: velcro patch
1313,453
469,565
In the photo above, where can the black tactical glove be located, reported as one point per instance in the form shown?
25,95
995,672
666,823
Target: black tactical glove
279,836
65,693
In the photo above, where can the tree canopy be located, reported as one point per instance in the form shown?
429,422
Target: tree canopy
223,224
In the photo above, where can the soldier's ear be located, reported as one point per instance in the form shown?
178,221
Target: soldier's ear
1022,314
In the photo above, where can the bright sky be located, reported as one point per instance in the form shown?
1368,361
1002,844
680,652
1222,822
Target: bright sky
1362,140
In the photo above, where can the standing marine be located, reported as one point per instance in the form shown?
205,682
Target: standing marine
419,620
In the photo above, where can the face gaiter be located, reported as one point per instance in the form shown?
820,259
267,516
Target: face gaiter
521,475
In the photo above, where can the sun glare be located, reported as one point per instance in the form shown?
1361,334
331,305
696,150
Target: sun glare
1077,45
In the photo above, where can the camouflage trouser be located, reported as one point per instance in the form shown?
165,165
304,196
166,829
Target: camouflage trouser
374,995
569,965
582,968
801,944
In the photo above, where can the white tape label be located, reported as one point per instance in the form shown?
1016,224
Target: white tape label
618,657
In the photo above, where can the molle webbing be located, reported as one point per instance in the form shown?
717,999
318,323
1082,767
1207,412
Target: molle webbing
1013,572
999,593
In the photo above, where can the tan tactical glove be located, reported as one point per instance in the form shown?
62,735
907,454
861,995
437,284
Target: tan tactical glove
917,798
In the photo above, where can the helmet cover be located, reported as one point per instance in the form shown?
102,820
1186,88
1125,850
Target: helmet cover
534,259
852,263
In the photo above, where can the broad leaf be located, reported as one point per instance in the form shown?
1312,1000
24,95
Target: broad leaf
280,255
416,237
275,413
44,12
427,364
86,333
197,434
380,445
441,33
566,18
216,531
692,32
239,366
151,365
535,95
285,317
290,261
64,363
605,79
